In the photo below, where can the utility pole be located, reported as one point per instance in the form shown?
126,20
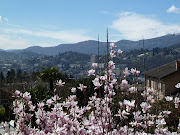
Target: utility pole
98,55
144,68
107,48
0,89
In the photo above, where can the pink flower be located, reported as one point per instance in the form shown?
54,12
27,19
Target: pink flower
49,102
126,72
96,83
82,87
176,102
111,65
27,96
129,104
73,90
41,105
38,121
160,122
60,83
150,99
112,54
166,113
94,65
135,72
177,85
150,123
150,91
123,114
119,52
55,98
112,45
31,108
133,89
28,116
168,98
145,106
91,72
16,93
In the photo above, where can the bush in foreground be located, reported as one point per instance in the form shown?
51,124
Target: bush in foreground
65,118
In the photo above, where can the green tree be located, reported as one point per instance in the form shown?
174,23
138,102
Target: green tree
50,75
19,75
10,76
2,77
2,113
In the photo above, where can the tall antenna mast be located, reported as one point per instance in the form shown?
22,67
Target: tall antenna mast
98,52
144,66
107,47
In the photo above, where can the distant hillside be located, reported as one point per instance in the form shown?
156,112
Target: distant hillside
91,46
18,55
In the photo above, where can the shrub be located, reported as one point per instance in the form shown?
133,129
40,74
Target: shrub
2,113
105,114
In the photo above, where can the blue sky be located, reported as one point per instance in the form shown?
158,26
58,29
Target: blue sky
53,22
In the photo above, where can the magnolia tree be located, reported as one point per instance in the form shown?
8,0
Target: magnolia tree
65,118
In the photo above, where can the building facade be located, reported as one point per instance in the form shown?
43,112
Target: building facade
164,78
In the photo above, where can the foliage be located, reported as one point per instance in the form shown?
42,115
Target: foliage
2,113
50,75
102,114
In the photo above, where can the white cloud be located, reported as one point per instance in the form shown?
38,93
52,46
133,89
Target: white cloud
133,26
6,19
8,43
65,36
0,20
173,9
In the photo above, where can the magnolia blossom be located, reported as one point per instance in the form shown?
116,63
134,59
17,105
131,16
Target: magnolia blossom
125,84
135,72
112,45
73,90
41,105
150,99
95,118
166,113
177,85
112,54
82,87
160,122
178,126
111,65
145,106
137,116
27,96
150,123
129,104
133,90
94,65
16,93
122,114
176,102
119,52
91,72
97,83
126,72
60,83
150,91
168,98
49,102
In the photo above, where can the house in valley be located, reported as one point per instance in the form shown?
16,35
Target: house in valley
164,78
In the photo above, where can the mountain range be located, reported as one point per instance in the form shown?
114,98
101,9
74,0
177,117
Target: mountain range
91,46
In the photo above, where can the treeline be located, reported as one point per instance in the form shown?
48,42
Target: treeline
13,76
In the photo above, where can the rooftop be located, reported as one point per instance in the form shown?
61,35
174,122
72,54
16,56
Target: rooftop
164,70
